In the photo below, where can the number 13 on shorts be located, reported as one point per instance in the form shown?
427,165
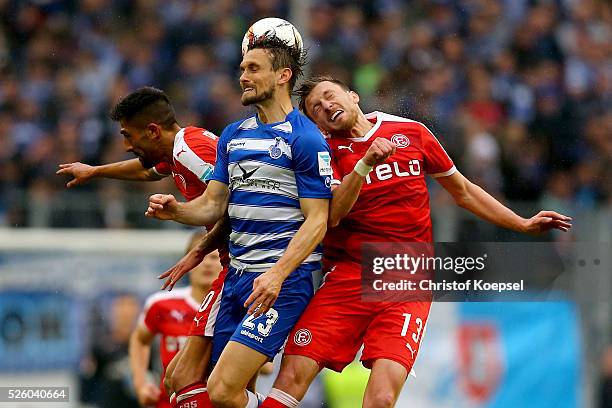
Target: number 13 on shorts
416,335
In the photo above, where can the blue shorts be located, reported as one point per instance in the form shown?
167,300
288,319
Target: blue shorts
266,333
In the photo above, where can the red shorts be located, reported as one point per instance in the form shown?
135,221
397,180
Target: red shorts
337,322
165,403
204,321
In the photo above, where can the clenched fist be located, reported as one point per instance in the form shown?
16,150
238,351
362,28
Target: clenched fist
162,207
379,151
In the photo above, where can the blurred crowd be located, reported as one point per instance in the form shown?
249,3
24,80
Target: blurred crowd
518,91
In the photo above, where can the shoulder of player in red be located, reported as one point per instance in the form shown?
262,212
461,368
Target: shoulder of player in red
408,135
194,149
163,303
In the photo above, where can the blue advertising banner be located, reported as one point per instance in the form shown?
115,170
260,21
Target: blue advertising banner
521,355
39,331
498,355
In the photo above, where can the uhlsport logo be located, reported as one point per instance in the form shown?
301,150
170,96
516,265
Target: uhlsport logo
400,140
302,337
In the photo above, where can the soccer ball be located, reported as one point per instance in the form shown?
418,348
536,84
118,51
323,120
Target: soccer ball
272,27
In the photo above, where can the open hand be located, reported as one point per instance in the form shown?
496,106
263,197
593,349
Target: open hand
545,221
187,263
266,288
81,172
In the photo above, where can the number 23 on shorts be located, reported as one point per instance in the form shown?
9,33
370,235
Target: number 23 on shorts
262,328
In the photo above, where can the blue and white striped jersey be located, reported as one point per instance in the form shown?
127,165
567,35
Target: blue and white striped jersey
268,167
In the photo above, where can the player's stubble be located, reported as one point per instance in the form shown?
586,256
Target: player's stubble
251,99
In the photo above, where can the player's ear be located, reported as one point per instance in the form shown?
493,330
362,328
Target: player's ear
284,76
354,96
154,130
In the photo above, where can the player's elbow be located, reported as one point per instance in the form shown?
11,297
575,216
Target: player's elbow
462,200
463,196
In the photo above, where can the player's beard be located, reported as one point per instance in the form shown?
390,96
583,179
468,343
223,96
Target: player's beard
257,97
350,118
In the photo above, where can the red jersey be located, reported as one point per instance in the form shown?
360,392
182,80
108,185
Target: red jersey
169,314
193,161
194,156
393,205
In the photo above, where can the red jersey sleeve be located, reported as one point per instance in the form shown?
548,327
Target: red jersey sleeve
163,169
336,177
198,152
437,162
150,314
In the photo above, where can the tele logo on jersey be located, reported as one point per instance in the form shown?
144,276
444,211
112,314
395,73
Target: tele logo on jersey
386,171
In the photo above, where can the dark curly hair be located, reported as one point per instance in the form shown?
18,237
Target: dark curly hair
283,55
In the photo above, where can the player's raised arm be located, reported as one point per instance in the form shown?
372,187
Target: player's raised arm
204,210
123,170
140,354
345,194
474,199
267,286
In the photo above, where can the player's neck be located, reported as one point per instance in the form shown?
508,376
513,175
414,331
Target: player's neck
198,293
274,110
168,141
360,128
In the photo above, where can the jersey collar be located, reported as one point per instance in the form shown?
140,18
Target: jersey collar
179,135
287,118
375,117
